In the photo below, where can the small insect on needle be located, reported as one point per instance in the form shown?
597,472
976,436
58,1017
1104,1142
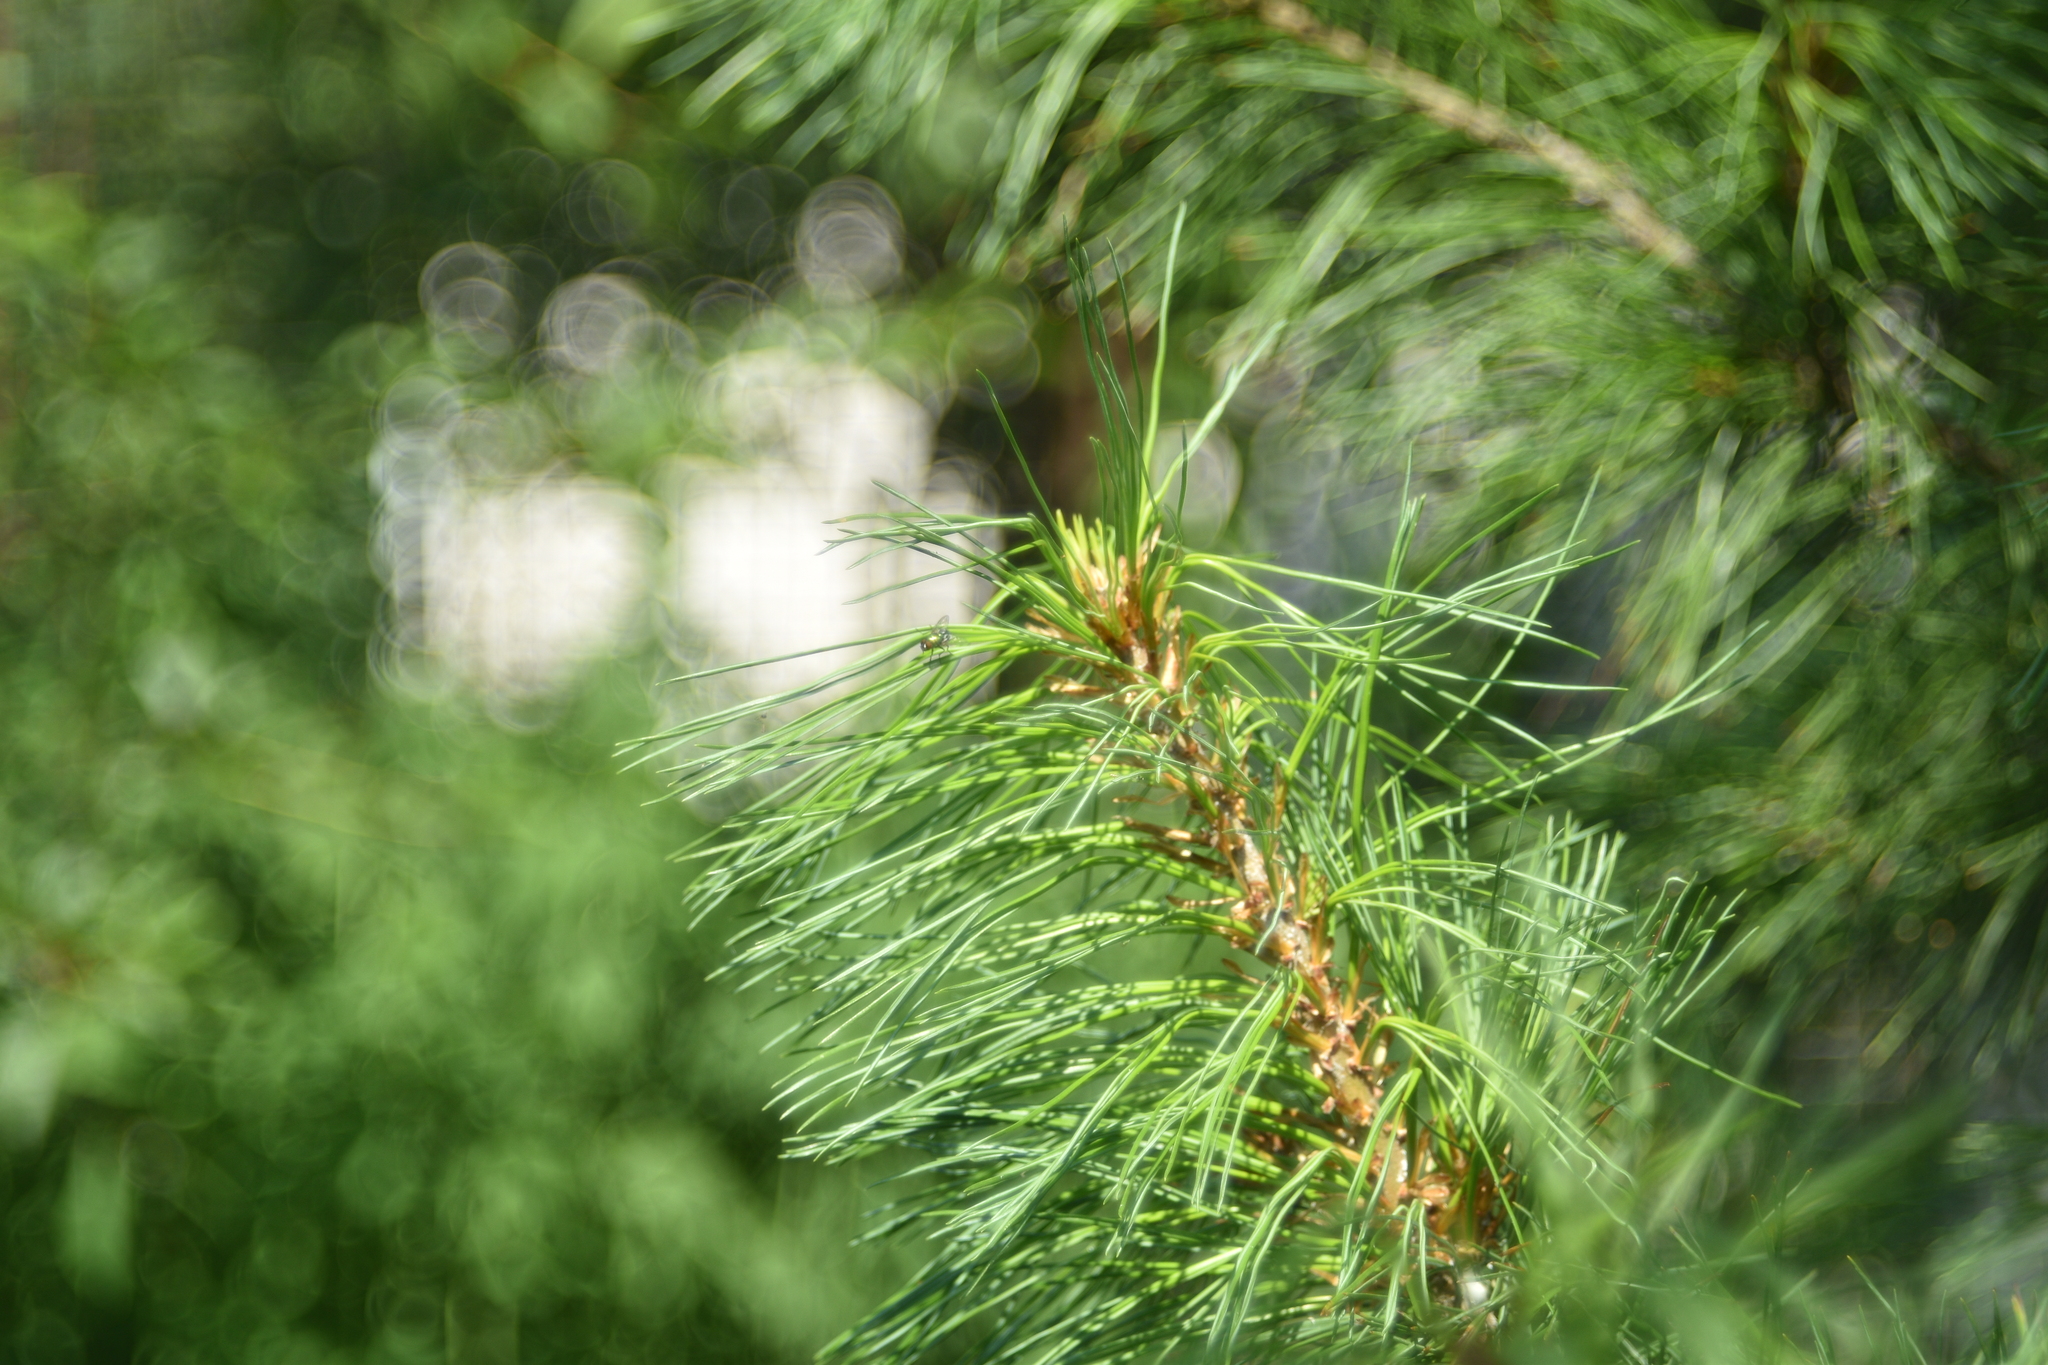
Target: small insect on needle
936,641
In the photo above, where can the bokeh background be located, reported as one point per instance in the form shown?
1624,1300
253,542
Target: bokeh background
351,1005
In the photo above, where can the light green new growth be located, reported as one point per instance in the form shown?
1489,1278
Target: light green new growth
1146,910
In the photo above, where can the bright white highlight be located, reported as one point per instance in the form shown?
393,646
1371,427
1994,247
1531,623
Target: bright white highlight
751,575
524,582
849,240
509,573
465,295
595,322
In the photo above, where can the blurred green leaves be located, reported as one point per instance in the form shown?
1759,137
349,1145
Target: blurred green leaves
334,1023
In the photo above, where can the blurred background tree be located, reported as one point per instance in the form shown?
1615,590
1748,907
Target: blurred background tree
340,1020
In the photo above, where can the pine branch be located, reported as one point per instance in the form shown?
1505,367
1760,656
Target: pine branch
1322,1137
1156,672
1593,182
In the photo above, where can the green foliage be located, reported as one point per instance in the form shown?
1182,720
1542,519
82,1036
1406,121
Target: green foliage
1807,399
1263,1063
1757,287
340,1023
336,1023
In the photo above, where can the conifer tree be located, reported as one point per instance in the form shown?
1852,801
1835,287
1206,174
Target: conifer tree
1749,286
1766,272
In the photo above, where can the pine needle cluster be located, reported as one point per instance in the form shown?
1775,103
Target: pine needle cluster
1766,273
1145,908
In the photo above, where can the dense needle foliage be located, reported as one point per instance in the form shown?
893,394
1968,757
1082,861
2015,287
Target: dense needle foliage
1177,962
1757,287
1768,273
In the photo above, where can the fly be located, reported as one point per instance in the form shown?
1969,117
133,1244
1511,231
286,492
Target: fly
936,641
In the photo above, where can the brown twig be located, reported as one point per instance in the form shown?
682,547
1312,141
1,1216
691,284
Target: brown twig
1593,183
1280,911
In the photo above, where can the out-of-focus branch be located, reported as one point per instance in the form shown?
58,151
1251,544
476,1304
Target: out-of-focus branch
1592,181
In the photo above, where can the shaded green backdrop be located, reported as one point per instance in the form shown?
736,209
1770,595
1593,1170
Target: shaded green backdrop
334,1022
